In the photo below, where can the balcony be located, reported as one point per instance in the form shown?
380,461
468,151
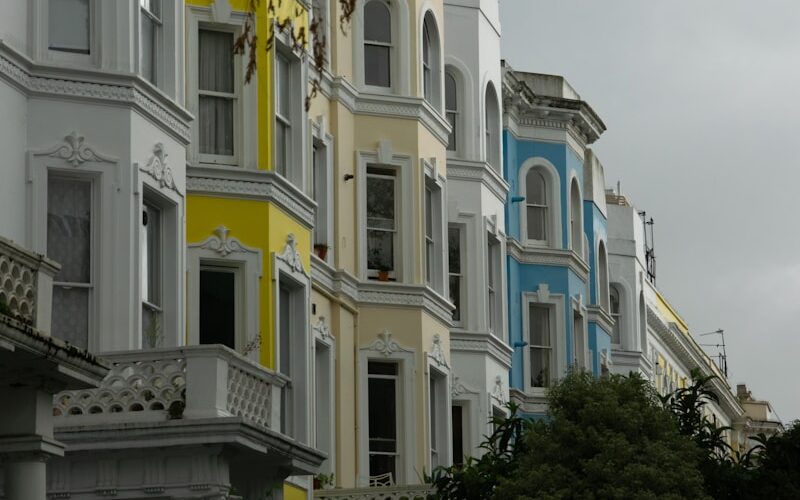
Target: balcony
204,409
411,492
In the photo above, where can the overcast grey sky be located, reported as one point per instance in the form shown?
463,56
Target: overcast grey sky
701,104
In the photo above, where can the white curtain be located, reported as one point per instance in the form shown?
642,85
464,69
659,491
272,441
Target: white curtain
216,75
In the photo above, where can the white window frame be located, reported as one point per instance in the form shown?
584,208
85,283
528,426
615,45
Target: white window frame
434,250
494,303
287,267
601,276
406,418
575,220
323,164
320,11
462,276
438,417
158,40
492,128
401,164
556,305
399,68
431,86
108,238
581,358
40,15
451,72
325,406
221,250
246,109
553,192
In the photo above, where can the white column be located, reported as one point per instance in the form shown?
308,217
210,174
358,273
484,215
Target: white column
26,477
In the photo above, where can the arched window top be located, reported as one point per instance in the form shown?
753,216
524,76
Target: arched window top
450,92
426,42
377,22
492,126
576,219
602,273
431,65
613,294
535,188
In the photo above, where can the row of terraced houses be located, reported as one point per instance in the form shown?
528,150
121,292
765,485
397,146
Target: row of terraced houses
209,289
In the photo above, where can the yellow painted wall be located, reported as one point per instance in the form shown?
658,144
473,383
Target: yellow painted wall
292,492
256,224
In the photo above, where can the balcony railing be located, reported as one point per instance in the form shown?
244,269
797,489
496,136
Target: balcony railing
26,285
411,492
192,382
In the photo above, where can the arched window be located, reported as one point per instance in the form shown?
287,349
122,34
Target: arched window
492,128
451,109
602,277
431,68
616,314
377,44
576,218
536,205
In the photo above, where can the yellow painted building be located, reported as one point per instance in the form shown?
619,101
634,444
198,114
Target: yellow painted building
249,211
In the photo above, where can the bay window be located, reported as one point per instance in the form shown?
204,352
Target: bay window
283,122
456,277
493,283
451,109
536,206
616,315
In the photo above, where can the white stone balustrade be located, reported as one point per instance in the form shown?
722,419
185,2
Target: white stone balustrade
410,492
191,382
26,285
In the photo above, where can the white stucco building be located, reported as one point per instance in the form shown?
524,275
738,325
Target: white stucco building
476,196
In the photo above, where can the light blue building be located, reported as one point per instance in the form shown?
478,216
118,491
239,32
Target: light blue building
558,295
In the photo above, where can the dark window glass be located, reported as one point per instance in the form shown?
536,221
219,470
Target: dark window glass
218,307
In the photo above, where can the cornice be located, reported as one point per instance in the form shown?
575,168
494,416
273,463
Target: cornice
530,404
693,357
100,86
597,315
251,184
530,109
405,295
333,281
635,360
478,171
339,89
547,257
482,342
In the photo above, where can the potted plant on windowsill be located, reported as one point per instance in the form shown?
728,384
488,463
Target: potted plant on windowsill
321,250
323,481
383,272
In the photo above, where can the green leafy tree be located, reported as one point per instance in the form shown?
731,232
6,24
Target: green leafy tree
605,438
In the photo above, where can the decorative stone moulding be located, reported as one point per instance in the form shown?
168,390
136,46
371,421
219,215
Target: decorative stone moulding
322,331
75,151
291,256
223,244
437,352
158,169
498,393
386,345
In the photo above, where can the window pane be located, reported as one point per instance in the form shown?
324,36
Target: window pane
216,61
283,89
458,435
69,25
376,368
540,367
216,125
539,325
537,223
281,138
147,48
454,249
71,315
380,202
151,255
376,65
69,228
380,250
285,319
535,188
152,6
377,22
455,296
451,139
382,415
428,212
450,97
218,307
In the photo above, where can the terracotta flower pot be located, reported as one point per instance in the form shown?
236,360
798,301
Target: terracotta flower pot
383,275
321,251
